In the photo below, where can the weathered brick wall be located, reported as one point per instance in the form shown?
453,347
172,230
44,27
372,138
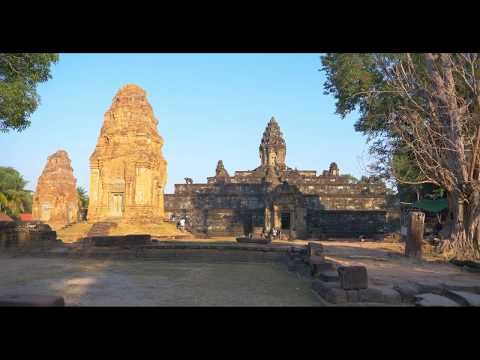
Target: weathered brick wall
345,223
14,234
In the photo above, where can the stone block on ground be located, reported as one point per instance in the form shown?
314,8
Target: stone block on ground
31,300
407,291
380,294
353,277
321,267
329,276
330,292
353,296
316,259
430,299
315,249
429,287
464,298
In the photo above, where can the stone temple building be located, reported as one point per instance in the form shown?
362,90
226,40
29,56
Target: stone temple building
56,201
127,170
300,203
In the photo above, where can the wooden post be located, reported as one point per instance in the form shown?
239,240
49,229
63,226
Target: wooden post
414,239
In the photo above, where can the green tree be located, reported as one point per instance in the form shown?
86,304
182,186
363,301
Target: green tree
421,114
83,197
350,177
14,198
19,76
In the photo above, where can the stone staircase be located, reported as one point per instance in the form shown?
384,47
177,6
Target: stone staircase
73,232
101,228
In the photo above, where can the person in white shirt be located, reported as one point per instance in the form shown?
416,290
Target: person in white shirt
274,233
182,224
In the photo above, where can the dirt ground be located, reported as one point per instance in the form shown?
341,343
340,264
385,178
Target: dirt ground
99,282
386,264
96,282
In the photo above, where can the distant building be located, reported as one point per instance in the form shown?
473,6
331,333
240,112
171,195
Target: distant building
300,203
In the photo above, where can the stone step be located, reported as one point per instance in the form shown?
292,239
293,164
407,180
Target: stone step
101,228
463,297
429,299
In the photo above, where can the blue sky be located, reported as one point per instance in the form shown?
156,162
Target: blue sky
209,107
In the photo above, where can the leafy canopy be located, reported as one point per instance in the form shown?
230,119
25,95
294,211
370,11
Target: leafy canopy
360,82
19,76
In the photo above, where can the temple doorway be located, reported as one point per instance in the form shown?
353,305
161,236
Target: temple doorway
247,224
285,220
116,205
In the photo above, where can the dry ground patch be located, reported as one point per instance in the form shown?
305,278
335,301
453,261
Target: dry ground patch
99,282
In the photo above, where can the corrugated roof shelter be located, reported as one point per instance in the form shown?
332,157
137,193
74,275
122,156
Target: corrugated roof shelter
5,217
26,217
434,206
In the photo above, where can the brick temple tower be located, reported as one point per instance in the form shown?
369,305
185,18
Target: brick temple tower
272,147
56,199
128,171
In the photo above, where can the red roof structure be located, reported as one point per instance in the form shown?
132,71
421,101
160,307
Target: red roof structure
5,217
26,217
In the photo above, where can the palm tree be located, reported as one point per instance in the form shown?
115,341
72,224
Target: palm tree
83,197
3,201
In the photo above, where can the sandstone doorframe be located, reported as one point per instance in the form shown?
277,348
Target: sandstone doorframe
116,204
285,199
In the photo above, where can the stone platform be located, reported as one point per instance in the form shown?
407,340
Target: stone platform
31,301
114,247
393,280
246,240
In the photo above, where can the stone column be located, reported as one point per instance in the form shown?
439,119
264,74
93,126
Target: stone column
300,223
268,220
161,204
414,239
277,222
95,195
293,224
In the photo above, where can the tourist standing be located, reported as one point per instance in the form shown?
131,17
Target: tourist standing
274,233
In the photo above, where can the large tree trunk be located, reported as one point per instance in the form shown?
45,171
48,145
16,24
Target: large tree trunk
465,230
